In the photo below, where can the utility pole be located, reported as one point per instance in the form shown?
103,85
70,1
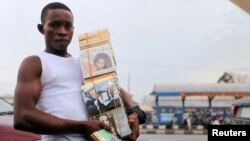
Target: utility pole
129,83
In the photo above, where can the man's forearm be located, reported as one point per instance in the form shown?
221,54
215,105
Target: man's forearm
127,100
42,123
131,107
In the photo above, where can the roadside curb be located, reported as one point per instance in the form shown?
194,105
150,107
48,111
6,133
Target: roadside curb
161,129
169,131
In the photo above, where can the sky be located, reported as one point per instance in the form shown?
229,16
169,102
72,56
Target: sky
154,41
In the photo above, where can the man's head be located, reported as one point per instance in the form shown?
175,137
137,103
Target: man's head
50,6
57,28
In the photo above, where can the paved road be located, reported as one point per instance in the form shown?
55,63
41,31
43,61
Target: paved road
171,137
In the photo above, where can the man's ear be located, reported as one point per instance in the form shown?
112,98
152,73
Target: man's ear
40,28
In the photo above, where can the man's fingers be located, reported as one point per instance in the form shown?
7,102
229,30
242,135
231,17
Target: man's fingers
134,123
131,121
106,127
136,131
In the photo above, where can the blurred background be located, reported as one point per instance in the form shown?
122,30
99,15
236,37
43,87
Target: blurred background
178,59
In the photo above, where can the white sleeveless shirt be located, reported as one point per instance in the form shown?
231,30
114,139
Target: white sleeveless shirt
61,81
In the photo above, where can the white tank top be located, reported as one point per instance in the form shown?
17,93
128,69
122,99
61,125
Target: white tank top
61,81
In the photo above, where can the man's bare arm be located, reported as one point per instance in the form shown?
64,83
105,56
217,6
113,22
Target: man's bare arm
133,118
127,100
27,117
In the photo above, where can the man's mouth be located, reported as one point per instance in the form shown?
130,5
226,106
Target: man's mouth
62,41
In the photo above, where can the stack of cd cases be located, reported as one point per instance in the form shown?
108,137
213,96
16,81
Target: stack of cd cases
100,90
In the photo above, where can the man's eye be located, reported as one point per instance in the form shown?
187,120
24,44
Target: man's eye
54,25
68,26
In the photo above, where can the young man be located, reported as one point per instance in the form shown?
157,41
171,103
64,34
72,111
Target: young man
47,95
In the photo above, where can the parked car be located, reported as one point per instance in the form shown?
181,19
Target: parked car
7,131
240,111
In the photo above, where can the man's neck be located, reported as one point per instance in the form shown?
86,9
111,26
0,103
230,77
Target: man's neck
58,53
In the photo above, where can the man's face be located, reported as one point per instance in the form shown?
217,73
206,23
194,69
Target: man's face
58,30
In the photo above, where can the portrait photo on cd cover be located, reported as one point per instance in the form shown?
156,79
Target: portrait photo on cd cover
99,99
90,98
97,60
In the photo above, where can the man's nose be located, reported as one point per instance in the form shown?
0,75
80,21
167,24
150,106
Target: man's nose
62,31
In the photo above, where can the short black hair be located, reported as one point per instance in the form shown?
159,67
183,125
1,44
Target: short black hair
53,5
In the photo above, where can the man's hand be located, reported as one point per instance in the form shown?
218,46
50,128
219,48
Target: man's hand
134,124
133,117
95,125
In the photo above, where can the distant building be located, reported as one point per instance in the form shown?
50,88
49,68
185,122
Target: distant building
171,100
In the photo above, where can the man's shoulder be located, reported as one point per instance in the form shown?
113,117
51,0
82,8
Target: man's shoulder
31,59
31,62
30,65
